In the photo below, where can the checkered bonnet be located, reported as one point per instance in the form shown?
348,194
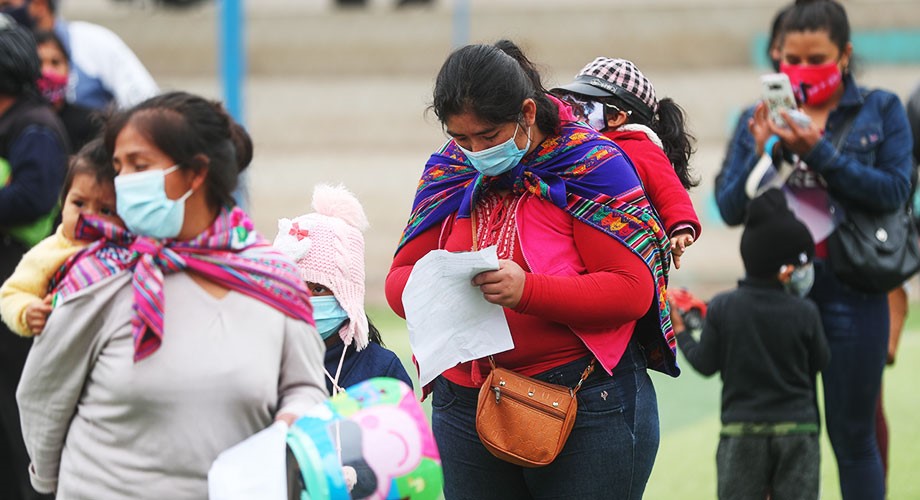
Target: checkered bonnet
328,247
624,76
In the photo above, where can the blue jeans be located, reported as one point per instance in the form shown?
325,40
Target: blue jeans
856,326
609,454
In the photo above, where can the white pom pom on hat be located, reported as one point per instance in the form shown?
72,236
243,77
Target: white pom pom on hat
328,247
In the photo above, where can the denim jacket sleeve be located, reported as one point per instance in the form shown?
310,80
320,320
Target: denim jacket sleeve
872,168
737,165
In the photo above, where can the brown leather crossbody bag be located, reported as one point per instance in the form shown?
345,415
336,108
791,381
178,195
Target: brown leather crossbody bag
523,420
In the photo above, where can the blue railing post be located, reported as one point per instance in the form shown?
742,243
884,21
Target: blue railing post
461,22
232,49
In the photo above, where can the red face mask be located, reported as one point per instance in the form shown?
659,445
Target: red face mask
813,85
53,86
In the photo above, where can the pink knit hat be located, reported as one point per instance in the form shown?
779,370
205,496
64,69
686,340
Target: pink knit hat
328,247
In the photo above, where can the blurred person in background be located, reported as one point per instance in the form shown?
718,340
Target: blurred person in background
773,55
913,115
616,99
103,70
363,3
898,303
870,171
897,299
169,344
33,158
80,122
550,194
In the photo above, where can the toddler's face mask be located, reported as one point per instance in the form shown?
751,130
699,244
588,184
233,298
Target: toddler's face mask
328,315
801,280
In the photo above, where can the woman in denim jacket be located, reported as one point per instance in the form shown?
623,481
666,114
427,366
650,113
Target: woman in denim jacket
869,171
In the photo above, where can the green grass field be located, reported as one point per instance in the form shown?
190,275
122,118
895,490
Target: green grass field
689,409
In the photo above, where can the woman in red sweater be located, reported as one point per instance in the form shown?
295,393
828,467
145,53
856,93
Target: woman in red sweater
583,271
616,99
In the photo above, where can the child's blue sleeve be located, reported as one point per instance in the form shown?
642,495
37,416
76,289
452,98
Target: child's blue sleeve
398,371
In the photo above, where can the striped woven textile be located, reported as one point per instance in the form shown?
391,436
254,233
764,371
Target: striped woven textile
583,173
229,253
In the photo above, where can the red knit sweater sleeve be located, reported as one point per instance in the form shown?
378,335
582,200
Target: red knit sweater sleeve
661,183
618,287
402,265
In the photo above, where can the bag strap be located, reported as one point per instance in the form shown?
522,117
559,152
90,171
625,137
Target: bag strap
473,223
840,135
588,370
584,375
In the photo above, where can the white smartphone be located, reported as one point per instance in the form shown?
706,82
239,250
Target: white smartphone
777,94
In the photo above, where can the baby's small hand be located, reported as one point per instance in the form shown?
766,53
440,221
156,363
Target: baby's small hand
679,243
37,314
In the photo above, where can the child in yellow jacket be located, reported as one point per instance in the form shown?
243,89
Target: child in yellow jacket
89,188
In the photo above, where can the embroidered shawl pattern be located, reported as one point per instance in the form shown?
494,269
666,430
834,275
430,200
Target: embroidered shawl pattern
588,176
229,253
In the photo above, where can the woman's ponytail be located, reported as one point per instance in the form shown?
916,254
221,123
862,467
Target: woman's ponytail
547,112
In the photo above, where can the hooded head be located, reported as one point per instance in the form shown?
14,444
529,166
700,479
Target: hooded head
328,247
773,237
20,68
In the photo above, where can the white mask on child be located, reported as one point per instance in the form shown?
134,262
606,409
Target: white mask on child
801,280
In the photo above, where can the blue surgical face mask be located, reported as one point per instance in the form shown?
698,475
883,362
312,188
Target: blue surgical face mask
328,315
801,280
498,159
142,203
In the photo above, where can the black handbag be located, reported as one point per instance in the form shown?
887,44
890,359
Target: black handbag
872,252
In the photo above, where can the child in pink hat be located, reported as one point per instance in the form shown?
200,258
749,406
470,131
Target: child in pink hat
328,247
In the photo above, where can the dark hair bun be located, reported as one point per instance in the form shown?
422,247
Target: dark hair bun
242,143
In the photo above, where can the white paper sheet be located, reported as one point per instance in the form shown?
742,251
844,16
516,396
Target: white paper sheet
449,320
254,468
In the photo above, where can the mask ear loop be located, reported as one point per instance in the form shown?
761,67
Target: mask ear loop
518,125
187,193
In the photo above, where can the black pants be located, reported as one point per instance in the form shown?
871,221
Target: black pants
14,461
784,467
